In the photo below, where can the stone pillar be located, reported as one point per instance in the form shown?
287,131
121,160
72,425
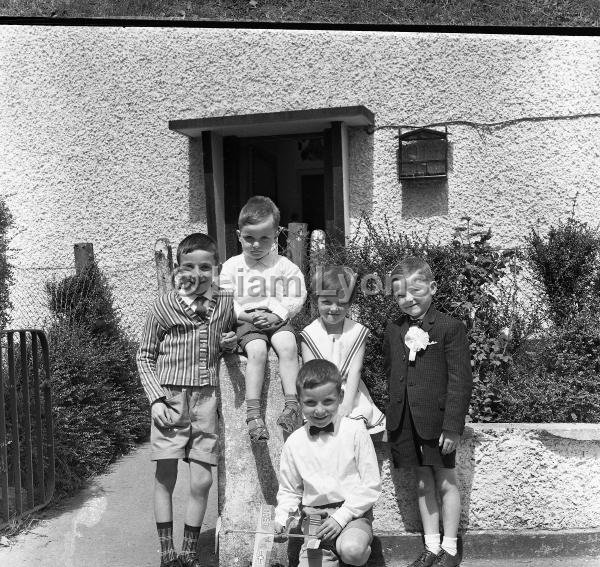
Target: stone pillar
248,474
84,256
297,244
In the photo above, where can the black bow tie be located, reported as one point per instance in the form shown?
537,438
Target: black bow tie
412,322
314,430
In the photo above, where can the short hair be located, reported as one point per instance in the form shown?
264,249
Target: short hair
197,241
333,278
412,265
257,210
316,373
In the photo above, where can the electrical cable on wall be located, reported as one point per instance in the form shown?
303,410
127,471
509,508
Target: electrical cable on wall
486,125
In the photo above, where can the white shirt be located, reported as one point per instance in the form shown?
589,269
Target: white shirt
273,282
329,468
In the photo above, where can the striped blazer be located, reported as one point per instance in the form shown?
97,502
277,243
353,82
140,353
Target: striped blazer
180,348
437,386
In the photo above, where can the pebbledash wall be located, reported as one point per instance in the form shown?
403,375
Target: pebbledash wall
86,153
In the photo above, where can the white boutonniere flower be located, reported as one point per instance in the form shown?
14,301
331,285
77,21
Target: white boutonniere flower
417,339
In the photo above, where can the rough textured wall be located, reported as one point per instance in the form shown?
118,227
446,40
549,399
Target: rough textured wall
511,477
87,154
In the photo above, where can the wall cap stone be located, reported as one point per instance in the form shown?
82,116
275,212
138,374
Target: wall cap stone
577,431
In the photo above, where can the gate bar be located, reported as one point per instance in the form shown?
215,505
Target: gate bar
48,414
46,490
39,440
14,414
26,419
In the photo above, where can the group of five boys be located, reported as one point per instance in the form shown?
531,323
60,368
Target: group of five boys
328,465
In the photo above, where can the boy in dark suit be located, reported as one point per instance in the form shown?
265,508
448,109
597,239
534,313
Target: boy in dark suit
428,368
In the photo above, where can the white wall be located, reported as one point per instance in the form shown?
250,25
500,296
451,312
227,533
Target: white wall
86,154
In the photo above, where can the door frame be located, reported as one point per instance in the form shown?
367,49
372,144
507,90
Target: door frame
333,123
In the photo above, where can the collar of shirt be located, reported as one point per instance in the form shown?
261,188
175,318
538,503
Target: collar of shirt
419,320
208,295
265,262
336,427
316,430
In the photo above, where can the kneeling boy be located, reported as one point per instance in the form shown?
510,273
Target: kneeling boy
329,468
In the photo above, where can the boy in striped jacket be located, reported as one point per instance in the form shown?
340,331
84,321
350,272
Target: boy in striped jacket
184,334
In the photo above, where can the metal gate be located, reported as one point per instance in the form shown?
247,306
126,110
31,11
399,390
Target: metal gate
26,434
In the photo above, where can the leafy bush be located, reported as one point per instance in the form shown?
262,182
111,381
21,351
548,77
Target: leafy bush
535,359
6,221
566,262
555,377
100,410
552,374
467,270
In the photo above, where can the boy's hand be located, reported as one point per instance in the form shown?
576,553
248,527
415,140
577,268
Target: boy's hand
448,441
228,340
160,414
245,317
280,532
266,320
344,410
329,530
277,527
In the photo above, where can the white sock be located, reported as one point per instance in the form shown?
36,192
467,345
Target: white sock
432,543
450,545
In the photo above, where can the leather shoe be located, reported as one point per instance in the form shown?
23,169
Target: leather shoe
187,561
444,559
172,563
426,559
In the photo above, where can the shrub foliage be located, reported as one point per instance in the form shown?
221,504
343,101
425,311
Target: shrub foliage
526,368
6,221
566,262
99,407
466,270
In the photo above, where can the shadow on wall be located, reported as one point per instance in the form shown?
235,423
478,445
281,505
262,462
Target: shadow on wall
405,487
424,198
465,471
360,172
237,380
196,200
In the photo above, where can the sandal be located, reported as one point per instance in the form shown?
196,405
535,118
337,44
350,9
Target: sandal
257,430
288,420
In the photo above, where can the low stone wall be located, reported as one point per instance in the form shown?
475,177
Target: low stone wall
514,478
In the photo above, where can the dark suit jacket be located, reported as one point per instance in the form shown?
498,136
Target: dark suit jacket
439,382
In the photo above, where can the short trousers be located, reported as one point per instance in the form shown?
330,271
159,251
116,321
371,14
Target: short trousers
193,434
247,332
326,555
409,449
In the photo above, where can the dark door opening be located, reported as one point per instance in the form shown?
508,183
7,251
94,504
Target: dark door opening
288,169
312,187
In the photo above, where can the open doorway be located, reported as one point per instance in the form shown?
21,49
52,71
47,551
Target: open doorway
287,168
297,157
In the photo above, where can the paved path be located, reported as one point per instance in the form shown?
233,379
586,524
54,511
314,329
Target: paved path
111,524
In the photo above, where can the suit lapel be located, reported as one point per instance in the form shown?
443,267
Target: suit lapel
402,324
429,319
